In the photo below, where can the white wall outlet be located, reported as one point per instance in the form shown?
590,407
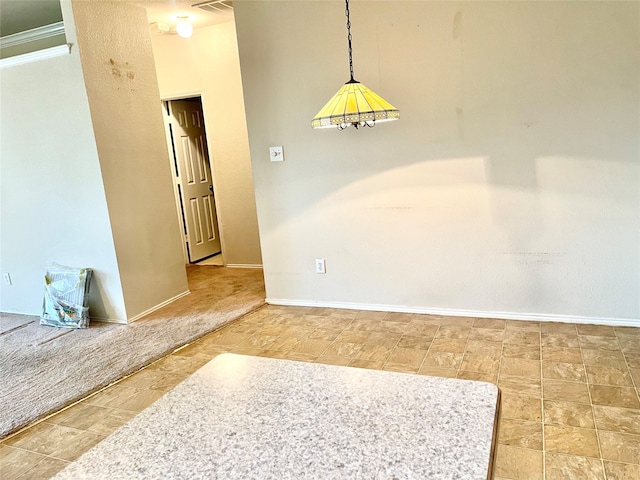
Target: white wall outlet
320,266
276,154
6,278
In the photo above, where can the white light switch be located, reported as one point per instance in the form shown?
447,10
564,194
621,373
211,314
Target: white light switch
276,154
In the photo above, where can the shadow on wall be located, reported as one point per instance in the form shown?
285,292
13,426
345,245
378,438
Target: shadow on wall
464,87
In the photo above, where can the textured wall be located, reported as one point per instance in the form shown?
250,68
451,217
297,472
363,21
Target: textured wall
120,78
208,64
509,186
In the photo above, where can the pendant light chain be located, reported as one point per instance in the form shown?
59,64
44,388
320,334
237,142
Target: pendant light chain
349,38
354,104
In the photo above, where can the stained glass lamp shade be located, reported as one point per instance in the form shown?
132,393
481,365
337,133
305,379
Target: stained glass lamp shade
354,104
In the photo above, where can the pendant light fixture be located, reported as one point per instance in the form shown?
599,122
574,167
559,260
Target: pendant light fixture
354,104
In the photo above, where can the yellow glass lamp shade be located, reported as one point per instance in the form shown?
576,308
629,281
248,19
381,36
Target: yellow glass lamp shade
356,105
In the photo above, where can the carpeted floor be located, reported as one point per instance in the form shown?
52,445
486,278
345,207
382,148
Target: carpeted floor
45,368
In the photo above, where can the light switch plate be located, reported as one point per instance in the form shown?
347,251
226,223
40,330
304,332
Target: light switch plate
276,154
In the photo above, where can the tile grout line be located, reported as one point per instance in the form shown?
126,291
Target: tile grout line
498,385
327,347
633,382
48,455
542,418
464,351
424,359
344,329
395,345
593,412
23,475
624,356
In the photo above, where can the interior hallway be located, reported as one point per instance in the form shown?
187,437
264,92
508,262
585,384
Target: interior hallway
570,405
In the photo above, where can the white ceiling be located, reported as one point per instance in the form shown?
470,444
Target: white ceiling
167,11
20,15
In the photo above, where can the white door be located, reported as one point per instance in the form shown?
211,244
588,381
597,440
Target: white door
195,184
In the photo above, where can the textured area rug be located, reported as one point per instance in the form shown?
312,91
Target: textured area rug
45,368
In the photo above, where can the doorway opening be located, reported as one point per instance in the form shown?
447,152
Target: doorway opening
193,180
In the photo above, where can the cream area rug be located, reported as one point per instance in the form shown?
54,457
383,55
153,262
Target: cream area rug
43,369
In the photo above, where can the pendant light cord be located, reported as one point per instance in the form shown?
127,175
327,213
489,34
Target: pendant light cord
349,38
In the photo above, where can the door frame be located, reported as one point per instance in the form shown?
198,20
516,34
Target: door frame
166,116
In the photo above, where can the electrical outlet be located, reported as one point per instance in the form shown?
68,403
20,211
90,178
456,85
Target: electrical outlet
320,266
276,154
6,278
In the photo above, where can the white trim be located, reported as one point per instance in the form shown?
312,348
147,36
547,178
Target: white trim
35,56
243,265
33,35
214,178
158,307
92,318
175,179
106,320
182,96
618,322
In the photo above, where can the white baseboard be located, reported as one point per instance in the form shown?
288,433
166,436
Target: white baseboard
28,314
243,265
618,322
106,320
157,307
92,318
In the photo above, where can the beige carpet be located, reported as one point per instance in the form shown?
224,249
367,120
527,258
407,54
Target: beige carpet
45,368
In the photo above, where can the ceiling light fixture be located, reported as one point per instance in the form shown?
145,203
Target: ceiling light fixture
184,27
354,104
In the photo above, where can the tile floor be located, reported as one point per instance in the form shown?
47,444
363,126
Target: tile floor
216,260
570,405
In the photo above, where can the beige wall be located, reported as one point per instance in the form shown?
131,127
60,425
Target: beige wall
120,79
52,204
207,64
508,188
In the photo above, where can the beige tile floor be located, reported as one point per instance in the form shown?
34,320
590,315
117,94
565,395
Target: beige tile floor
570,405
216,260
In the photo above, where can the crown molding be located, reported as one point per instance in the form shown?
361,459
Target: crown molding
35,56
32,35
